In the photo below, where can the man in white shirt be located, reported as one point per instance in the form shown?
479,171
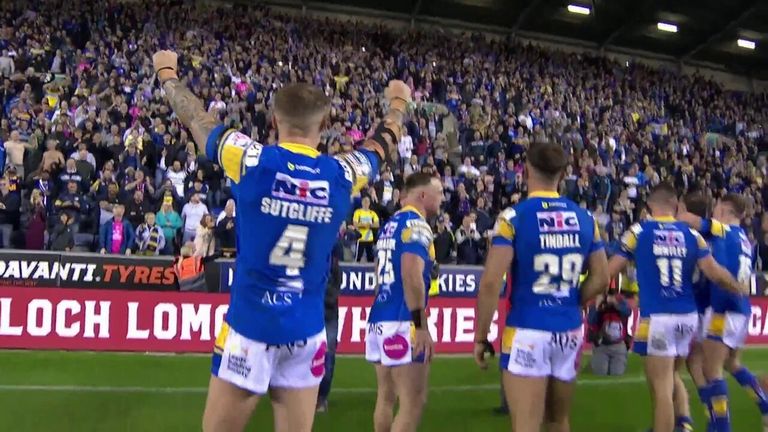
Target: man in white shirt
405,147
631,181
177,175
192,213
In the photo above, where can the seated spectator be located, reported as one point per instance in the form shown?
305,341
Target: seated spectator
225,230
107,202
35,226
608,321
140,182
150,239
192,213
10,212
136,208
205,240
62,238
171,223
116,237
468,242
73,203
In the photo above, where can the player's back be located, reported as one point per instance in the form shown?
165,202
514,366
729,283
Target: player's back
666,253
405,232
291,201
552,238
731,249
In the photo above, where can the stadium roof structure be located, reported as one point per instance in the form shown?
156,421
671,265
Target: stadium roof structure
707,30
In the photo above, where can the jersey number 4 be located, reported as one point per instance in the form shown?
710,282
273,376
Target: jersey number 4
566,268
289,249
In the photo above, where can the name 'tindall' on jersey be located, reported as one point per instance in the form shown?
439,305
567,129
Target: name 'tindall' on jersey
291,201
552,238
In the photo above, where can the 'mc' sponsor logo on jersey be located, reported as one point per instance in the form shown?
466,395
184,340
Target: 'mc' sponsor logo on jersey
557,221
668,238
309,191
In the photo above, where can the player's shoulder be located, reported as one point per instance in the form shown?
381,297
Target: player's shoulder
414,228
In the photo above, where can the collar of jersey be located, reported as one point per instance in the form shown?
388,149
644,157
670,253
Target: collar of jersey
413,209
664,219
543,194
302,149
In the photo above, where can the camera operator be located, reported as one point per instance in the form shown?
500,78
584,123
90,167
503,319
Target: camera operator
608,320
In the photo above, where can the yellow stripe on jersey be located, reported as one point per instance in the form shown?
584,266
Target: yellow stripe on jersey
717,228
700,240
301,149
629,241
505,229
641,335
507,339
597,231
717,325
221,339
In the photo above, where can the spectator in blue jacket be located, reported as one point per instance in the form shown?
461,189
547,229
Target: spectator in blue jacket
116,236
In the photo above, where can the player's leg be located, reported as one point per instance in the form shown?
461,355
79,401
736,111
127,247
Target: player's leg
659,373
240,373
411,383
526,397
227,407
295,381
683,420
716,352
383,413
526,362
558,407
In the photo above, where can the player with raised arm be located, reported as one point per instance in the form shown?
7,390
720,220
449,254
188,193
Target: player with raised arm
290,203
544,242
398,340
727,318
666,254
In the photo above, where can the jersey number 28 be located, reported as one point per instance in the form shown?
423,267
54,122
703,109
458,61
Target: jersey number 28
566,268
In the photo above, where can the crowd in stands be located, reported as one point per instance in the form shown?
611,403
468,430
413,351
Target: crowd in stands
95,160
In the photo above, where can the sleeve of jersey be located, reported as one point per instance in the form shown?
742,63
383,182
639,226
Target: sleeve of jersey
233,151
504,231
712,228
360,167
416,238
629,241
597,240
702,246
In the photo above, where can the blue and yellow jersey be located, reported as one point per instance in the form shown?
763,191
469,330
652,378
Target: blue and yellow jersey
731,249
291,201
552,238
666,253
405,232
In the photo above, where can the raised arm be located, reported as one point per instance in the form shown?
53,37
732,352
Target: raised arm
187,107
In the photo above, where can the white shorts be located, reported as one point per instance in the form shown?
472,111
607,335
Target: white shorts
390,343
537,353
701,329
730,328
666,335
256,366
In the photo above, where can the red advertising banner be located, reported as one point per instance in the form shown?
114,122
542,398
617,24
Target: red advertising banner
147,321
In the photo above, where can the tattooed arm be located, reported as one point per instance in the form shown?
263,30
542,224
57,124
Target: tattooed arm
189,109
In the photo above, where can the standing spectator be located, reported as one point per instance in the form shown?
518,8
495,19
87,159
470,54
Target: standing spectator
177,176
14,151
73,203
205,241
62,239
331,325
405,148
136,208
35,227
225,230
107,202
468,242
412,166
365,221
53,159
171,223
150,239
69,174
116,237
192,213
10,212
444,241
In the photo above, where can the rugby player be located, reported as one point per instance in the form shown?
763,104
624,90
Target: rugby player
545,242
727,317
666,253
290,203
398,340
